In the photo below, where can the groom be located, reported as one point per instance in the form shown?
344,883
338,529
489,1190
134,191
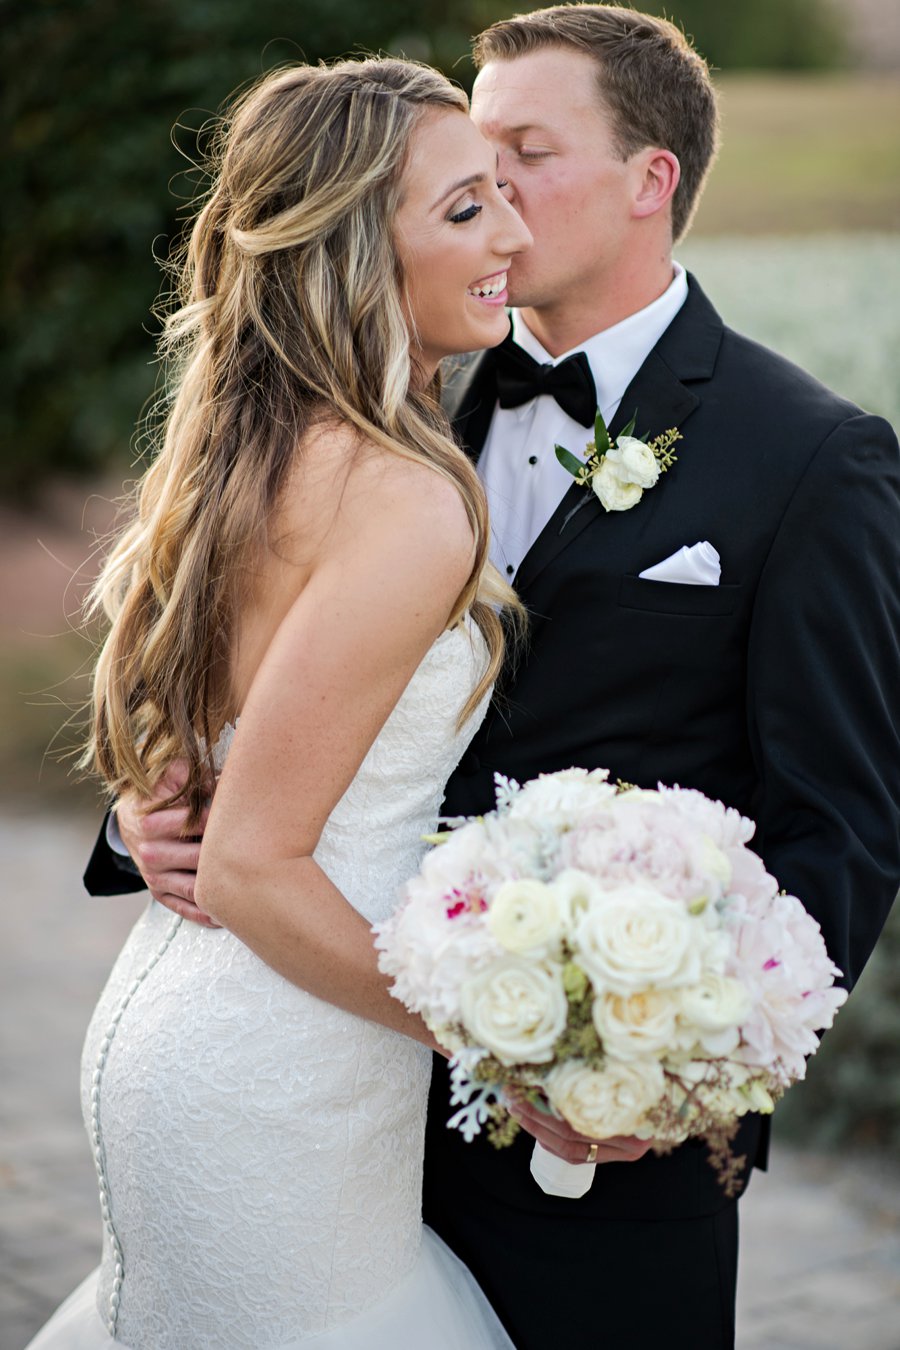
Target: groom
773,687
775,690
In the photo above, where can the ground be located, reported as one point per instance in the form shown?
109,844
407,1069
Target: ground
820,1234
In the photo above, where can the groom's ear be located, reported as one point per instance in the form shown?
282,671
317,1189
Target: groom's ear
657,174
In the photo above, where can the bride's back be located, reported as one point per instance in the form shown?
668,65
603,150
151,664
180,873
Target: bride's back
338,478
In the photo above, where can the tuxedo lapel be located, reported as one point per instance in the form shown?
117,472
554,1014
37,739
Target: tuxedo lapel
470,397
661,399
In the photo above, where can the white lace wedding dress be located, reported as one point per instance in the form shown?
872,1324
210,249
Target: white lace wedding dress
259,1152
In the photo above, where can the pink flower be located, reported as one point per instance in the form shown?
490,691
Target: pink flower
780,956
638,840
726,827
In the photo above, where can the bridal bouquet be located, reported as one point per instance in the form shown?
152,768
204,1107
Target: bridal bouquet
617,953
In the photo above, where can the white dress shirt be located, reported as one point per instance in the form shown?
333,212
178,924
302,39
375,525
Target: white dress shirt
522,477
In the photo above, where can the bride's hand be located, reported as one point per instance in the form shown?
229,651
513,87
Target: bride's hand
164,854
558,1137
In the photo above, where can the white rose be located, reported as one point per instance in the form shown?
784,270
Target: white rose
638,1024
516,1010
716,1003
614,493
638,464
576,892
608,1101
624,472
525,917
634,937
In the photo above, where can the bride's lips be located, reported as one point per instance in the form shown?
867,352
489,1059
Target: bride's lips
490,290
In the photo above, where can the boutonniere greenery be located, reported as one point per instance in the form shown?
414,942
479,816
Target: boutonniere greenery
619,471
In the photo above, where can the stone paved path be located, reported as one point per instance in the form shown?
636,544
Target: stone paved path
820,1236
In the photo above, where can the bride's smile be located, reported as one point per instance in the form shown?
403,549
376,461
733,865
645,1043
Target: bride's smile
457,236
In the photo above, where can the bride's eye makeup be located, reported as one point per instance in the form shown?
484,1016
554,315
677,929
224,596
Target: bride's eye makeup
470,212
467,213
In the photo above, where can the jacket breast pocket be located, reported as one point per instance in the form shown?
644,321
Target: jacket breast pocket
672,597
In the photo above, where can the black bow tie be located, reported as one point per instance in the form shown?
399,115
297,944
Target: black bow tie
520,378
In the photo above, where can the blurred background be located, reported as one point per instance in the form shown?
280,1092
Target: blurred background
797,241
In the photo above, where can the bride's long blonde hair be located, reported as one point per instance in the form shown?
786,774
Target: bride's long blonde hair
289,308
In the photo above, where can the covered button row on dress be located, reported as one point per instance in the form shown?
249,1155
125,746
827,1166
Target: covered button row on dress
96,1133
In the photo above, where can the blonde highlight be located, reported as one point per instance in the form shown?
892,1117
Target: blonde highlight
289,313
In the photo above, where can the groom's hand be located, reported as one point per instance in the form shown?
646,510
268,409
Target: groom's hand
163,852
557,1136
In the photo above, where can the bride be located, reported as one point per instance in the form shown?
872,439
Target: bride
305,589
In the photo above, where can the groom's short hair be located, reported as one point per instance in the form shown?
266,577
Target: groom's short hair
654,85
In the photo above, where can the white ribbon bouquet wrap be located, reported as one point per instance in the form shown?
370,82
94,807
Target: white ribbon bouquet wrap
615,955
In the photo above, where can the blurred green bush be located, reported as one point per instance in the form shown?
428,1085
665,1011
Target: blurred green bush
851,1094
762,35
91,185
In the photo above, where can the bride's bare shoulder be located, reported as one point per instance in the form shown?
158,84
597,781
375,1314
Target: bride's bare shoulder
345,485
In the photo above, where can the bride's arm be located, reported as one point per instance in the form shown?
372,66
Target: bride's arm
380,592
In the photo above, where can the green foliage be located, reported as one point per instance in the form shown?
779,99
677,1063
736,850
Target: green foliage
764,34
851,1094
571,463
92,187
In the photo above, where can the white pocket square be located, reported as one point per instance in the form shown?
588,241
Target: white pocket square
698,565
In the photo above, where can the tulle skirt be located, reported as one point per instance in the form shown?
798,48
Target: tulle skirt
438,1305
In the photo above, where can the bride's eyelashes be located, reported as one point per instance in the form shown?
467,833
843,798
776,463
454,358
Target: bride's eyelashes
470,212
467,213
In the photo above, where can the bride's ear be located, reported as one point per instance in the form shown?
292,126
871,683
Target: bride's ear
657,174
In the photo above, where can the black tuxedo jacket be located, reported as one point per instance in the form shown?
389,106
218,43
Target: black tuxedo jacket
777,691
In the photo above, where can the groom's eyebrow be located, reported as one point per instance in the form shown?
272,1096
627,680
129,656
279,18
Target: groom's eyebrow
509,129
472,179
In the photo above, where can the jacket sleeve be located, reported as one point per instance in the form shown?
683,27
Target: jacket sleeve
823,690
110,873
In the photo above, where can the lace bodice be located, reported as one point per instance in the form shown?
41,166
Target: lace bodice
249,1138
375,831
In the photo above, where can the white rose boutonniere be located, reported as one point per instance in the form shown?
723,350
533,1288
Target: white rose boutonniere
619,472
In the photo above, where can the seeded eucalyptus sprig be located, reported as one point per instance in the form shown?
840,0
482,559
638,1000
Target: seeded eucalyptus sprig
661,446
